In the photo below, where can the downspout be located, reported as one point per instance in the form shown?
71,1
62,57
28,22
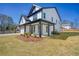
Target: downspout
48,30
40,33
30,29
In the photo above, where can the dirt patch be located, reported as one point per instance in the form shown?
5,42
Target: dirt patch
29,38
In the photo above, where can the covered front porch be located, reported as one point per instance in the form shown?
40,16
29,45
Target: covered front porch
39,28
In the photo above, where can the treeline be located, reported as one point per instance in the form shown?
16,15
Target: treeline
6,24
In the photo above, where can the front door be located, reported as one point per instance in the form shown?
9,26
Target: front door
22,30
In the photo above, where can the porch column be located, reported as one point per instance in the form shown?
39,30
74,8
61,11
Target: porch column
30,29
48,30
40,31
24,28
53,27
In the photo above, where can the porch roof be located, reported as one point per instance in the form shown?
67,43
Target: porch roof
38,21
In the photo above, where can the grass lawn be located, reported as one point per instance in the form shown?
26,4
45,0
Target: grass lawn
64,35
10,45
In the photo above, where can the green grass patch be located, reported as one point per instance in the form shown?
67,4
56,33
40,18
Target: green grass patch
64,35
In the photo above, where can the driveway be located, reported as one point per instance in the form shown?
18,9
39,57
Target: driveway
9,34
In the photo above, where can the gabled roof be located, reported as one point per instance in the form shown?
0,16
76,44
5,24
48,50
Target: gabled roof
38,11
35,12
33,7
42,9
25,17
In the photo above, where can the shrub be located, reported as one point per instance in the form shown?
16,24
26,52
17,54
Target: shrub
55,32
25,33
28,34
21,34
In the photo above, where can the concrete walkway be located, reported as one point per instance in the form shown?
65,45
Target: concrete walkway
9,34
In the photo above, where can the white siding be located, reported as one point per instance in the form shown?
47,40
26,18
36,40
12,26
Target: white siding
22,21
52,13
22,29
51,29
58,26
35,9
27,29
39,15
36,28
44,30
31,18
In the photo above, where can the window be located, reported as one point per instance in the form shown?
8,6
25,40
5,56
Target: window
35,17
33,28
56,21
52,19
44,15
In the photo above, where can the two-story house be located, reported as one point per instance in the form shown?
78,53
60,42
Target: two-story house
40,21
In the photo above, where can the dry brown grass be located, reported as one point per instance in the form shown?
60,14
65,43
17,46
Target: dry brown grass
10,45
70,30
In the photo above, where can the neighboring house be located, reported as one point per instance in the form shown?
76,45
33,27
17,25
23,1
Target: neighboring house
40,21
67,25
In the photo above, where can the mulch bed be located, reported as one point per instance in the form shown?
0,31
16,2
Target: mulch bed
29,38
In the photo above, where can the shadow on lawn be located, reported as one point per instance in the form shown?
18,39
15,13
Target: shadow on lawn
64,35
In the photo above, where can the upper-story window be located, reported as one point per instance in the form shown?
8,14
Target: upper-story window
35,17
44,15
52,19
56,20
